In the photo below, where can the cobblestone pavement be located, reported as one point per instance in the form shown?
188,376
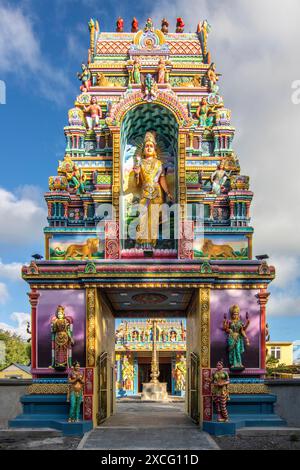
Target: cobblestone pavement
146,426
36,439
261,439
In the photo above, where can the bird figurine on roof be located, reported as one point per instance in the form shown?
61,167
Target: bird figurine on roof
179,25
37,257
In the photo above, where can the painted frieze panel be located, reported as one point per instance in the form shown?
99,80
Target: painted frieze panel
80,247
235,328
57,342
221,246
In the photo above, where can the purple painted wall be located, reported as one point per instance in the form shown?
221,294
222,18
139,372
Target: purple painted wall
74,302
221,301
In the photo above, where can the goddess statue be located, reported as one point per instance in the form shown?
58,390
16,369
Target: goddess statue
95,113
212,79
62,339
136,72
219,178
220,394
206,118
162,71
150,177
76,179
236,331
179,374
75,392
127,374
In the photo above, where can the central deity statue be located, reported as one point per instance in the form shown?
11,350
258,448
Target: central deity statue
150,177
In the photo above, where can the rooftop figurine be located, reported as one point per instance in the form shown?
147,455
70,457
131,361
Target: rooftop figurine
202,30
134,25
120,25
149,25
179,25
164,26
85,77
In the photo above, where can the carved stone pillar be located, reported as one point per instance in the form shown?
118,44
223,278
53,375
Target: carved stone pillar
262,299
33,299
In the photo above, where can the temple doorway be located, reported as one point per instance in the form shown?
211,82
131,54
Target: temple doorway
136,319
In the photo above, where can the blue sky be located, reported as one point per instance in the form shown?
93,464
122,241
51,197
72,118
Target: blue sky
255,46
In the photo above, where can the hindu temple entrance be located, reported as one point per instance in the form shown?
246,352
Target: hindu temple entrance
128,319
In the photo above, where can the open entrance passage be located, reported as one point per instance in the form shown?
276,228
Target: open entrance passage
151,356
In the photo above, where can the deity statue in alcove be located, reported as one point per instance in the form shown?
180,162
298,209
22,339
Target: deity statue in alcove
150,177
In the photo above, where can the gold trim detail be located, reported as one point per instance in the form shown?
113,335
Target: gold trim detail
51,389
205,326
248,388
116,172
91,327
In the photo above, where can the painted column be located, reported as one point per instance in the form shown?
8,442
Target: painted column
262,299
136,374
33,299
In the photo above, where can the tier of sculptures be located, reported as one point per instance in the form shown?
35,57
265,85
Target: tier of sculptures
125,334
149,25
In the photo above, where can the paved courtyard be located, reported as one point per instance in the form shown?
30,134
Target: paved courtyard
146,426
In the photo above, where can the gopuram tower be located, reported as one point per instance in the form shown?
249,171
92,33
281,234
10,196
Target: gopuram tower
148,216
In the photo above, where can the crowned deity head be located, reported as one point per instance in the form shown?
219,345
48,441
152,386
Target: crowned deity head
60,312
234,312
149,147
220,365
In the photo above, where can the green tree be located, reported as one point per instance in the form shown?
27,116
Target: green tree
16,349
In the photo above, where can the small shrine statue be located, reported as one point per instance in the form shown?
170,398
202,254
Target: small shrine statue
61,339
76,179
219,178
136,72
134,25
150,177
85,77
127,374
220,393
162,71
236,331
150,88
204,114
75,392
149,25
94,113
179,374
203,29
212,79
179,25
164,26
120,25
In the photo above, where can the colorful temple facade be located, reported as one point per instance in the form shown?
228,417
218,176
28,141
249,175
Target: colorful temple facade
149,129
134,354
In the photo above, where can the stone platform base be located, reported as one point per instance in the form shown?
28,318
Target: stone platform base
49,411
246,411
155,392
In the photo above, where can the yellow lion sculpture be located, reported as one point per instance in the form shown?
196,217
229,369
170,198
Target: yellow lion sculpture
85,250
211,250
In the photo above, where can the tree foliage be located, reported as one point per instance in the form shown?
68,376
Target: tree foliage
16,349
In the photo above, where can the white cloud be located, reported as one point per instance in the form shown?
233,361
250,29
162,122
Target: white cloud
11,271
3,293
20,51
255,44
23,219
20,319
284,304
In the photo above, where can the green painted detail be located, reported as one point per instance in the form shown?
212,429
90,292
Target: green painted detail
192,177
90,268
206,268
104,179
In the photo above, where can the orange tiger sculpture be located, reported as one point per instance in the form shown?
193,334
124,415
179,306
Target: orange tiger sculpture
85,250
211,250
